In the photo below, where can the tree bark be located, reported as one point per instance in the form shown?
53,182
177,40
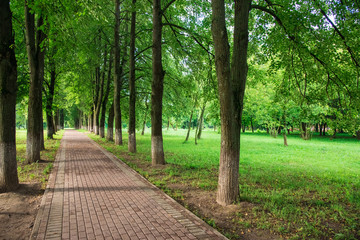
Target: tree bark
100,97
110,130
201,120
117,77
157,149
231,86
62,119
49,101
106,97
35,57
285,140
189,127
8,77
95,103
132,100
145,115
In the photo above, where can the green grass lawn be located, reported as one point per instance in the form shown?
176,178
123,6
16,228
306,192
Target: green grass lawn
37,171
308,190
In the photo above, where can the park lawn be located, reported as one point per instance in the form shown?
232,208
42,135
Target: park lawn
37,172
308,190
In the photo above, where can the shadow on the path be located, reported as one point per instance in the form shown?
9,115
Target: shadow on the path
101,189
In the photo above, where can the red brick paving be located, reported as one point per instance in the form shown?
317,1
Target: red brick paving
93,195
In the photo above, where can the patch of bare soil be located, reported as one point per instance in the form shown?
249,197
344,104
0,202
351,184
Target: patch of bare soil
18,211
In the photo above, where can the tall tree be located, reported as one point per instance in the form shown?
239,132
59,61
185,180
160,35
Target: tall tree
117,76
8,77
36,64
231,84
106,97
157,86
132,99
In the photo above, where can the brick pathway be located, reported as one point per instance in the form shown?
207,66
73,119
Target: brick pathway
93,195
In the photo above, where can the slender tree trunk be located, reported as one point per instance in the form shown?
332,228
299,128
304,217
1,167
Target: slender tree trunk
231,85
62,119
95,103
8,77
57,122
320,129
252,125
35,57
132,100
145,115
42,143
49,101
110,130
91,121
100,97
201,120
189,126
157,87
358,135
117,77
106,97
324,129
285,140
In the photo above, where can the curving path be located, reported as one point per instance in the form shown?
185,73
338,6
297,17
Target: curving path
93,195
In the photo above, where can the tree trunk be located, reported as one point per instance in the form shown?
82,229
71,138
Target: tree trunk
35,57
157,150
252,125
100,97
201,120
320,130
285,140
132,99
62,119
42,143
57,122
324,129
110,130
243,128
117,77
91,118
95,100
231,86
8,77
145,115
189,128
106,97
358,135
49,101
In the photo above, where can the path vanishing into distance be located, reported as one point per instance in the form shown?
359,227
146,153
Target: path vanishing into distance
93,195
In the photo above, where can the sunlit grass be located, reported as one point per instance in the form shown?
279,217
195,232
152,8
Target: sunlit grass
310,189
36,172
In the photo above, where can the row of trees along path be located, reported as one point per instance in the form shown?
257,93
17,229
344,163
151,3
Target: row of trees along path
101,61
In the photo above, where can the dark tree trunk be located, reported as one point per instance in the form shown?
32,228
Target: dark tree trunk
49,101
189,127
42,143
117,77
110,130
8,77
324,129
91,120
201,120
57,122
35,57
62,119
252,125
157,149
106,97
316,127
231,85
145,115
132,100
358,135
285,140
320,130
100,97
95,104
243,128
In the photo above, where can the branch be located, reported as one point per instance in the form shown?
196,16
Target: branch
167,6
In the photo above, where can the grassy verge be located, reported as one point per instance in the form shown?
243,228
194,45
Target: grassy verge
38,171
309,190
